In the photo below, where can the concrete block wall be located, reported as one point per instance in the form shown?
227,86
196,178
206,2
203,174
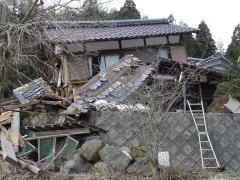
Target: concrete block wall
180,136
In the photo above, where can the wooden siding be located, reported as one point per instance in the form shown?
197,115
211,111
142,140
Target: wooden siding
78,66
178,53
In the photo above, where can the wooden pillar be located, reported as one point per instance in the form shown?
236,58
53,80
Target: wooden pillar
60,50
66,70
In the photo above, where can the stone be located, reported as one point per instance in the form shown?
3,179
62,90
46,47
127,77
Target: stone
115,158
76,164
137,153
126,151
101,167
90,150
141,167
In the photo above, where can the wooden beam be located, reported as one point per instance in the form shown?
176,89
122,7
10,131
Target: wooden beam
60,133
87,125
21,105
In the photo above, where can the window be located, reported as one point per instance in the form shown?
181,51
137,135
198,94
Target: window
93,65
163,53
108,60
96,63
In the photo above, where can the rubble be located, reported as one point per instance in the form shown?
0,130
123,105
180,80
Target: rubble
44,130
42,127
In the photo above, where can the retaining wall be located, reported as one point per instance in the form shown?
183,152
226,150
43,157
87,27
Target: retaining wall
180,136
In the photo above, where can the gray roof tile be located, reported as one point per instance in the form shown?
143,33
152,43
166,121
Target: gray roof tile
77,31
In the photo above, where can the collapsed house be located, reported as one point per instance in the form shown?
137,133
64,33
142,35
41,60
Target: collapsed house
100,64
92,46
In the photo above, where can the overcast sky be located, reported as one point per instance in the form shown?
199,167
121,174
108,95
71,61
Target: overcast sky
220,15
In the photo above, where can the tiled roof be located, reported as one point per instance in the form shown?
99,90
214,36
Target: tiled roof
200,61
216,56
38,88
207,62
113,84
194,61
77,31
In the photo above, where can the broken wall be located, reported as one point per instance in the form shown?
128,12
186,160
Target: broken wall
180,136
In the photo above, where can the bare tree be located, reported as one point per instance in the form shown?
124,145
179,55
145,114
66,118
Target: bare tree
160,94
22,40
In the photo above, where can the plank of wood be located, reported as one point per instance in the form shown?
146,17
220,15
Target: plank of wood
30,167
9,102
87,125
34,102
6,118
60,133
21,105
15,138
15,127
7,147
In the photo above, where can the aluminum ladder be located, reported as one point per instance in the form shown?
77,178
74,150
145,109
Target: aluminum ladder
208,156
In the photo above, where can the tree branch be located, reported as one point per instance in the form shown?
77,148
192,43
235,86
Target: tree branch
29,11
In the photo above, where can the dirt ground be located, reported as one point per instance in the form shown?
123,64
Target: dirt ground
10,172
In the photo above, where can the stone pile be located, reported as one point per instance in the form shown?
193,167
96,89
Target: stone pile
94,155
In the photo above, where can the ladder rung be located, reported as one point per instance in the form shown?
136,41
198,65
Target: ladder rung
210,167
195,104
208,158
203,133
197,110
206,149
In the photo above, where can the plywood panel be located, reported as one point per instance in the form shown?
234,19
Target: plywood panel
78,66
178,53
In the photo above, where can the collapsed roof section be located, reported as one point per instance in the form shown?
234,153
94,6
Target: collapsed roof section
112,85
35,89
82,31
216,63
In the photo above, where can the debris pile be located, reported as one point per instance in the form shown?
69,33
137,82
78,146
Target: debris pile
43,126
